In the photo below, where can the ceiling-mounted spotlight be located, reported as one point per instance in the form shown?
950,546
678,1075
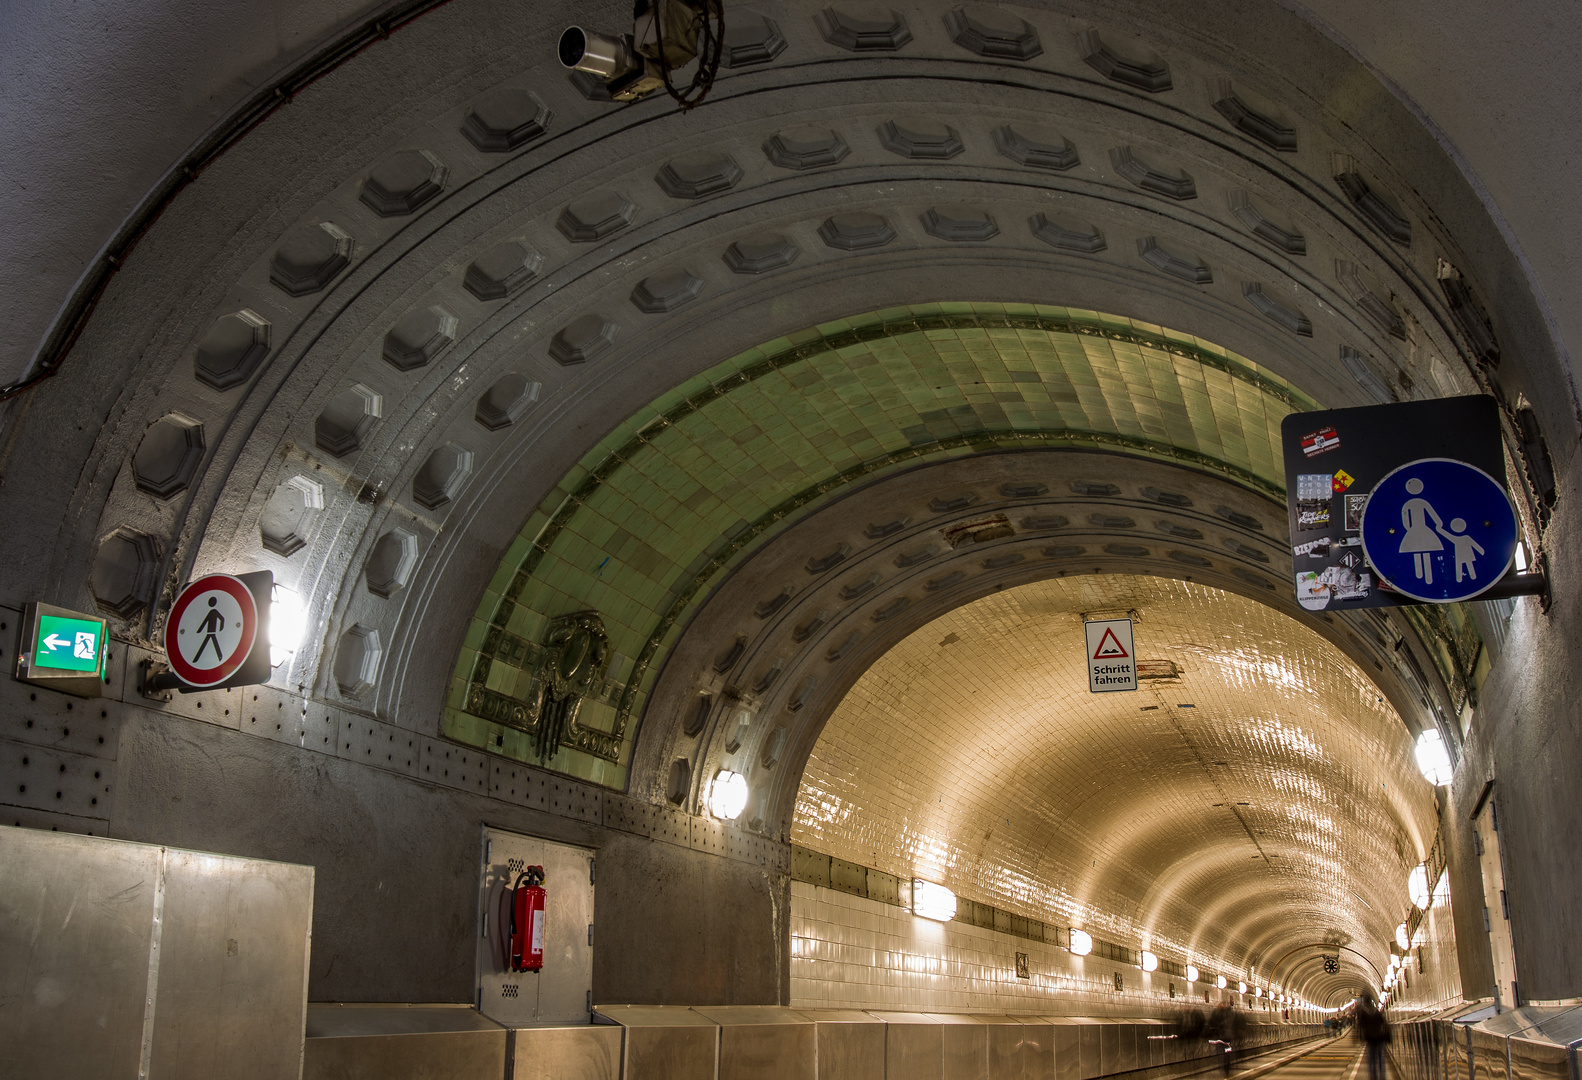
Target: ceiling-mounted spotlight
1150,961
1081,942
1220,982
1401,939
1192,973
666,36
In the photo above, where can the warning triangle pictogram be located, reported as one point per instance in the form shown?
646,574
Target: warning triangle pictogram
1110,647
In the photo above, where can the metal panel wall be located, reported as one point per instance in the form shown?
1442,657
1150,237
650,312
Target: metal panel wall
588,1052
235,945
561,992
120,960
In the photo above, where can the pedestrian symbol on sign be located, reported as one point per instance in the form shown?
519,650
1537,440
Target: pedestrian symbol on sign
212,628
1439,530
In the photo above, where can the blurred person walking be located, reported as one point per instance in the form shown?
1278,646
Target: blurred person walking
1374,1030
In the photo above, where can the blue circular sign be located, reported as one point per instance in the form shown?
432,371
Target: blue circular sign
1439,530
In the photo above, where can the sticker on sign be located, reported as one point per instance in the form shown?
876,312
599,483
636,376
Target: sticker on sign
1112,663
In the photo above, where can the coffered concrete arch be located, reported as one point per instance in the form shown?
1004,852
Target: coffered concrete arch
324,343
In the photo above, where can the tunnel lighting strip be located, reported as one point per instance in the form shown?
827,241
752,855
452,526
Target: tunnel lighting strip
933,901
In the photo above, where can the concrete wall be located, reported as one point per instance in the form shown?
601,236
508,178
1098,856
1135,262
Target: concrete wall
686,911
1524,738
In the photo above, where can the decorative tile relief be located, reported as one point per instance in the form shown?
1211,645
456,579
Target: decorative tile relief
403,182
1066,235
419,338
595,216
1290,241
1276,311
751,38
920,139
1140,72
960,223
1184,265
347,420
1356,363
667,290
505,119
694,176
504,403
805,148
122,578
357,661
391,562
168,457
231,349
1378,310
1370,202
289,515
867,32
1160,179
856,230
1036,146
760,253
502,270
442,475
993,32
1469,315
584,338
1267,129
308,259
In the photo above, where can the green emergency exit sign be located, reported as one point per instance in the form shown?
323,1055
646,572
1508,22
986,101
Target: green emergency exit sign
69,644
62,649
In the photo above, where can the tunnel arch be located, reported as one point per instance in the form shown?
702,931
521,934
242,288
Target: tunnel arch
420,471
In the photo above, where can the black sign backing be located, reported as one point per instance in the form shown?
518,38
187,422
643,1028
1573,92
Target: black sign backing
1333,460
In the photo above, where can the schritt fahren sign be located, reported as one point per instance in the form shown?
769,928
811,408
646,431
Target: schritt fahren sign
1112,656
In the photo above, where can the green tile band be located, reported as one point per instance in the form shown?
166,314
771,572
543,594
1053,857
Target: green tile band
680,491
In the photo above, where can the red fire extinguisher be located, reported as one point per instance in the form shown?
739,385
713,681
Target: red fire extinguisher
527,920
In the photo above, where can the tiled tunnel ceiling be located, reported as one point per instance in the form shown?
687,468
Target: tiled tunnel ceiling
1263,799
690,484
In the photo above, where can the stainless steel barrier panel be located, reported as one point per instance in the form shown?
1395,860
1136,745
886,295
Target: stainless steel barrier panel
392,1042
964,1050
121,960
1020,1047
849,1044
914,1046
585,1052
665,1042
763,1042
1066,1044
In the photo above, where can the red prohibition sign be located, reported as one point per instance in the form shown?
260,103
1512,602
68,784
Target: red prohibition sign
211,630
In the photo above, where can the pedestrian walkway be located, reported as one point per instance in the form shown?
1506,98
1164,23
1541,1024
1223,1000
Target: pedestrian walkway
1338,1060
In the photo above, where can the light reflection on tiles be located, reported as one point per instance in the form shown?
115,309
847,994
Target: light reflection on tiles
986,765
849,952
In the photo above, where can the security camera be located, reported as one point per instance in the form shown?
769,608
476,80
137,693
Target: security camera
666,36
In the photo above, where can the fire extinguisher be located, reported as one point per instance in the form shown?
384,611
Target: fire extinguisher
527,920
